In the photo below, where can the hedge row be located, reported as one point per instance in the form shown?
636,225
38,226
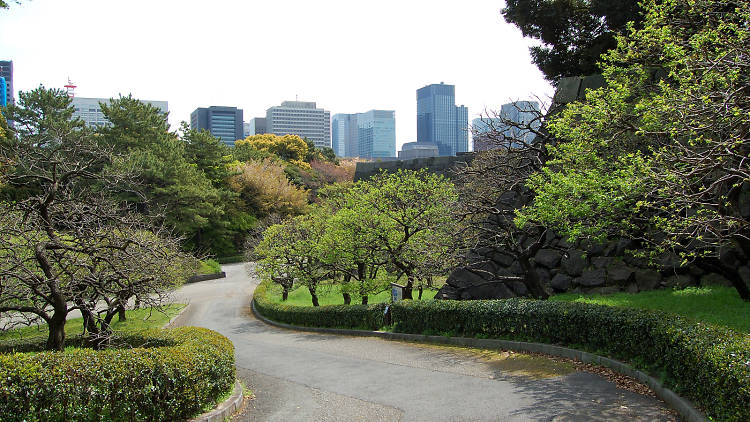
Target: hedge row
169,375
709,365
366,317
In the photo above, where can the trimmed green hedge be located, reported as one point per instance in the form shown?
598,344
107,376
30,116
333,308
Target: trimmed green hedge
710,365
367,317
172,375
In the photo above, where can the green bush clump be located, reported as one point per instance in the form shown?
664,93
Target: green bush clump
168,375
210,266
707,364
368,317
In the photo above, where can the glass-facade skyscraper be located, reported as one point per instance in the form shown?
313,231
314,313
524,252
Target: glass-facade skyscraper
368,135
6,71
223,122
440,121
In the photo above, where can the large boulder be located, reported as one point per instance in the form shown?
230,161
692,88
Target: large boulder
574,262
619,273
494,289
549,258
591,278
647,279
462,277
561,282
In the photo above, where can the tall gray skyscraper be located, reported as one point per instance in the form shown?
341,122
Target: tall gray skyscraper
368,135
6,71
300,118
223,122
440,121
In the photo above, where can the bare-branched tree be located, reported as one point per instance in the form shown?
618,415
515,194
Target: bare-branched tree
492,189
65,245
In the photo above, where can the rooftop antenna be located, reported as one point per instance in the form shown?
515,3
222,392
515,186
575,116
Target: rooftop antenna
70,89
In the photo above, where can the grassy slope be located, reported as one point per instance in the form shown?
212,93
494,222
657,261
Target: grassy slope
138,319
712,304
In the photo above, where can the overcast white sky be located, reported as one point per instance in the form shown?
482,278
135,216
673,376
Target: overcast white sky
348,56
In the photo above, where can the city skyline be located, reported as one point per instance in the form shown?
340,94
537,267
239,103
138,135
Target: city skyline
156,60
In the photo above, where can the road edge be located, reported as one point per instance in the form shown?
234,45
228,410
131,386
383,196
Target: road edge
225,409
683,406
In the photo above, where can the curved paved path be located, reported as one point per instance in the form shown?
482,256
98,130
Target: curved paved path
298,376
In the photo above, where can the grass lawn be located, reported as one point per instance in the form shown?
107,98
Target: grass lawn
713,304
331,295
138,319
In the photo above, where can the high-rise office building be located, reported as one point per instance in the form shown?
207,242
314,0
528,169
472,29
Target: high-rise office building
300,118
6,72
344,135
440,121
257,126
368,135
524,113
89,110
224,123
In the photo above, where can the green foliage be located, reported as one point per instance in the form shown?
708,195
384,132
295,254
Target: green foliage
402,220
368,317
712,304
168,375
331,294
659,153
291,251
186,177
264,188
289,148
412,220
209,266
574,33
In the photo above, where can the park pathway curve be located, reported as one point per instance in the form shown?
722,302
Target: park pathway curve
300,376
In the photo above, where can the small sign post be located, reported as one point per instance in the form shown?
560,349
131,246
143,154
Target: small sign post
397,292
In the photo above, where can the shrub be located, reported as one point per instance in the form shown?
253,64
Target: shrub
209,266
167,375
710,365
368,317
263,185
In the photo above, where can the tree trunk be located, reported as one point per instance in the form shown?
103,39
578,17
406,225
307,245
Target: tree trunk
284,294
408,288
347,296
121,314
531,278
420,291
730,273
365,299
314,296
56,338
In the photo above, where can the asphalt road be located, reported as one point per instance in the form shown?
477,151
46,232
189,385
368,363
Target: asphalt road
299,376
